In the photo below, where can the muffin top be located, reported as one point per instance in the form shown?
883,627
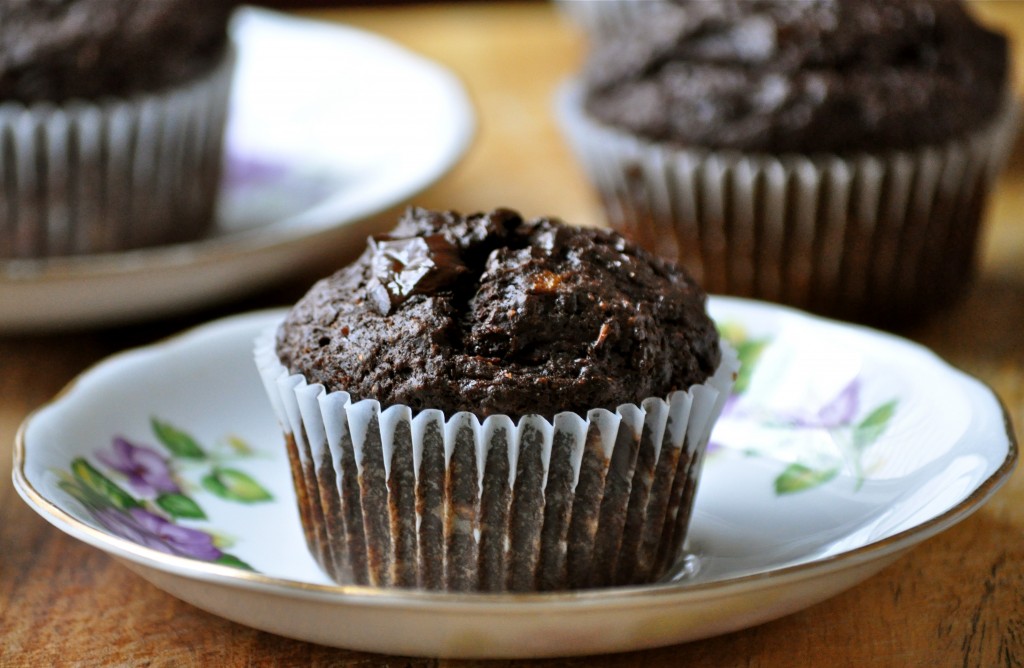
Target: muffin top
802,76
492,314
55,50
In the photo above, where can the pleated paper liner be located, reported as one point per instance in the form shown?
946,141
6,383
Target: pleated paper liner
396,499
884,239
108,175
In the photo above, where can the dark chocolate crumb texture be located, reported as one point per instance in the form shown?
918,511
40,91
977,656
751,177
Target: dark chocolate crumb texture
55,50
801,75
493,314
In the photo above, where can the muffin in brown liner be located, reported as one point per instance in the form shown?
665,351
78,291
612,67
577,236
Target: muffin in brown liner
100,176
833,155
879,238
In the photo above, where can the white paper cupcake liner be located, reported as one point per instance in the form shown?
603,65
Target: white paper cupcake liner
90,177
391,499
881,238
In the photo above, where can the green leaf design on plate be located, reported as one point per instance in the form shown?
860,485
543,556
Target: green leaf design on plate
107,492
748,350
178,442
84,496
232,560
239,445
871,427
798,478
233,485
179,505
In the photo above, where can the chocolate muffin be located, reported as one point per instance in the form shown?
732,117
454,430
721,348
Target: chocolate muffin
492,314
830,154
487,403
836,76
62,49
113,116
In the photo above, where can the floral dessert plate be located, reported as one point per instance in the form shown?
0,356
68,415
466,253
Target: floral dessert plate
840,449
321,138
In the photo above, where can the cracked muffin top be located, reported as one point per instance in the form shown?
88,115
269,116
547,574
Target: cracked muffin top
802,76
493,314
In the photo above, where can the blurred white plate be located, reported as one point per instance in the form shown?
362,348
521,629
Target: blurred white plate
842,449
329,126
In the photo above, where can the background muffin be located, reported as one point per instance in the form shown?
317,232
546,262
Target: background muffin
830,154
506,404
112,114
599,19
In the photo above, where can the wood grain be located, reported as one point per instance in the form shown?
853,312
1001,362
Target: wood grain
957,600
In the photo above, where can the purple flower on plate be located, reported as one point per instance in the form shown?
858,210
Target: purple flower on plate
150,530
839,411
729,408
243,170
147,470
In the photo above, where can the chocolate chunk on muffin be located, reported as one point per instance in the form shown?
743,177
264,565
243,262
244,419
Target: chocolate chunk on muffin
811,76
493,314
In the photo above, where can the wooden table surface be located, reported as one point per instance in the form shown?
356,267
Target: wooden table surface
956,600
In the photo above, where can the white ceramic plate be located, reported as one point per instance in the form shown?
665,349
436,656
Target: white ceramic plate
842,449
328,126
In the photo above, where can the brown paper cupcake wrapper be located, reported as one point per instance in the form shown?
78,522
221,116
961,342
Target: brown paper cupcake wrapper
391,499
90,177
881,238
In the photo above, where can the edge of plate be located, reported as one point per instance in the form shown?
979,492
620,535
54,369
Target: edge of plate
226,575
15,271
27,277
